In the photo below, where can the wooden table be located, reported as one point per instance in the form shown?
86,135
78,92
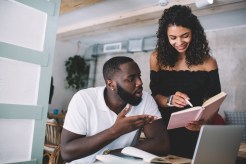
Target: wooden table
242,150
178,160
172,158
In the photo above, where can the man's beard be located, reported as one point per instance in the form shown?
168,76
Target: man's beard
127,97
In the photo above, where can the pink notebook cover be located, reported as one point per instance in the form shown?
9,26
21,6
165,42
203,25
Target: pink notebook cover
178,120
208,109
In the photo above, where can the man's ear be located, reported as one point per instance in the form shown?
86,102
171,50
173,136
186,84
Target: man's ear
110,84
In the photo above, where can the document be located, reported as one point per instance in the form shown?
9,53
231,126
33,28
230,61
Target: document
139,155
204,112
147,157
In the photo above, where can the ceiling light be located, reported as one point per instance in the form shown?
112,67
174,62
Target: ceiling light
203,3
163,2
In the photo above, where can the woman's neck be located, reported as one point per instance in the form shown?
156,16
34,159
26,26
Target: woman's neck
182,56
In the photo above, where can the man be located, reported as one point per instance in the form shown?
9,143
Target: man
101,120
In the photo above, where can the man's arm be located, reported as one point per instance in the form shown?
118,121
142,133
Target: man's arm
157,141
75,146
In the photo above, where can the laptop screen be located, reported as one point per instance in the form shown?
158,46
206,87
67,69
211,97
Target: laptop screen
218,144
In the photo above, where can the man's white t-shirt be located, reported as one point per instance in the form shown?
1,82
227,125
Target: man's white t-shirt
88,115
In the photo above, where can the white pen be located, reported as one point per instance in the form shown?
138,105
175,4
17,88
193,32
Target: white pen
188,102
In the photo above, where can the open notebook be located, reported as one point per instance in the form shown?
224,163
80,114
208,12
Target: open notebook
204,112
218,144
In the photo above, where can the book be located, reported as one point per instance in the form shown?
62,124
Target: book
134,155
205,112
109,158
145,156
131,154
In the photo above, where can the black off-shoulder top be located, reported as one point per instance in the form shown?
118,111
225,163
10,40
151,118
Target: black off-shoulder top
199,86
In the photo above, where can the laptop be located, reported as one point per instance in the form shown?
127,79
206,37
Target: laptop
218,144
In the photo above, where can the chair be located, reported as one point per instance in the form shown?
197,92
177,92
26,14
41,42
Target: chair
52,142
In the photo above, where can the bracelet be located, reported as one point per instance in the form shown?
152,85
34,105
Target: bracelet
106,152
169,101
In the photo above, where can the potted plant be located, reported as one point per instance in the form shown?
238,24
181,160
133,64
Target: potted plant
77,72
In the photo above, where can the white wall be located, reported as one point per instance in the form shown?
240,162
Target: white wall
226,34
64,50
61,95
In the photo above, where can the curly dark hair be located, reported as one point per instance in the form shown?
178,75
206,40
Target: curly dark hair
198,49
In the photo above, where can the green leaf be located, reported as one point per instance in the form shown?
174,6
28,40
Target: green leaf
77,72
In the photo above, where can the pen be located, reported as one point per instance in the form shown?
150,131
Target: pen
189,102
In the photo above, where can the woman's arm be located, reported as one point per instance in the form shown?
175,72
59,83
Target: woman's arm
154,81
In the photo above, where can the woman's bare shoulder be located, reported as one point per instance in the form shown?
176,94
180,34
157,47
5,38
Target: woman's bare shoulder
210,64
154,66
154,55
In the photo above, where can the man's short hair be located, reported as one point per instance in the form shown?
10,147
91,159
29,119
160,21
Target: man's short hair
113,65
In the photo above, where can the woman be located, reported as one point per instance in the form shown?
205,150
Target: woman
182,69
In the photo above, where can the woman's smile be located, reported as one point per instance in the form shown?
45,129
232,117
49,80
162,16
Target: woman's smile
179,37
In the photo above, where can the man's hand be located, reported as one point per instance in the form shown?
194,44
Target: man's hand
125,124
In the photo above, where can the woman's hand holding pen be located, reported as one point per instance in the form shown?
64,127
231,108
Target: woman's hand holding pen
180,100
